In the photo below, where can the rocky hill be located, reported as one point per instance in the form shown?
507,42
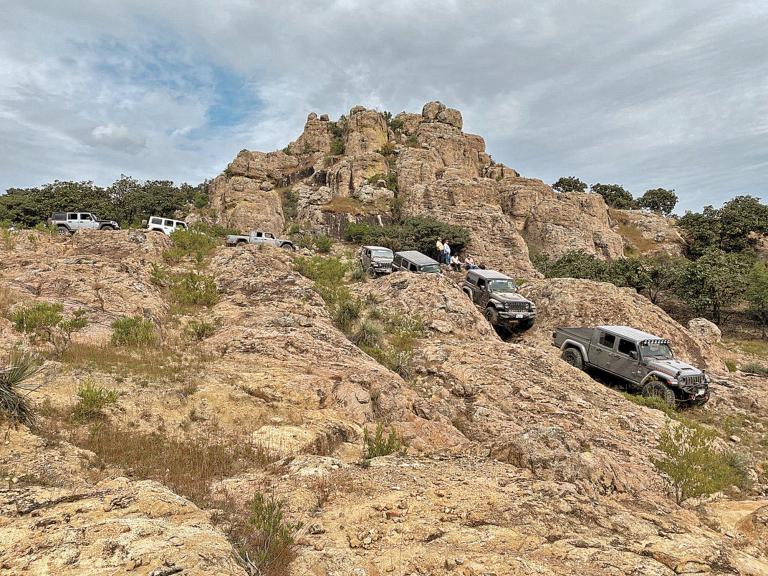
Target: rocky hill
367,166
249,405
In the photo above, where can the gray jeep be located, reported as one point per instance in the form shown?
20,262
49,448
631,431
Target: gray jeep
376,260
70,222
496,295
644,361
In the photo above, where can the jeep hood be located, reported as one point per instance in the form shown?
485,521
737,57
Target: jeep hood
382,259
509,297
672,367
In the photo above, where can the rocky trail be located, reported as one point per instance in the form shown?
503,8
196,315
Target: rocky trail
507,461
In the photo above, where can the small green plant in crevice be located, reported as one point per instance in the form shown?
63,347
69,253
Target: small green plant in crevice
189,244
265,541
368,334
289,201
653,402
200,329
193,289
17,370
337,146
159,276
345,308
382,443
731,365
693,466
755,368
323,244
133,331
92,400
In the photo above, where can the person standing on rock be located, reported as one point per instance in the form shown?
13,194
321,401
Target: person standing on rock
439,248
446,252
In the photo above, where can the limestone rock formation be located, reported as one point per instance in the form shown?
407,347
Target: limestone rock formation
441,172
705,330
647,233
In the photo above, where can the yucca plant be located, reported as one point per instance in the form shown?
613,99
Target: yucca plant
14,389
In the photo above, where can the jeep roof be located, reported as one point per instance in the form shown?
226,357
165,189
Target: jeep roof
416,257
488,274
629,333
378,248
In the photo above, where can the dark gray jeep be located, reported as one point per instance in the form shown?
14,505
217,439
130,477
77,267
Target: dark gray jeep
376,260
496,295
644,361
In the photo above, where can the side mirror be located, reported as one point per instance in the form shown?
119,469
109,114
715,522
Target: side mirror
633,355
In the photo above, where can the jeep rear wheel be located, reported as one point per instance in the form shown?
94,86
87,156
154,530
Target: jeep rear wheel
62,231
287,246
573,357
657,389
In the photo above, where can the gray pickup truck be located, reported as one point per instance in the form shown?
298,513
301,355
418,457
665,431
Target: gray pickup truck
259,237
496,295
644,361
70,222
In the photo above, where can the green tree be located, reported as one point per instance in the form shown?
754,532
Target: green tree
615,195
664,273
570,184
577,264
715,283
658,200
757,294
701,230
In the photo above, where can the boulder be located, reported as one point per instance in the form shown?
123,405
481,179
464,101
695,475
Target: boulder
705,330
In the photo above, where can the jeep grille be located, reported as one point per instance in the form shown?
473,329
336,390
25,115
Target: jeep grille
519,306
692,380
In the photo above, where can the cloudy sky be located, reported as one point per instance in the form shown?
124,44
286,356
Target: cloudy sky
668,93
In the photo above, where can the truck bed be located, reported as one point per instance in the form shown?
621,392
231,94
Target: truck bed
582,335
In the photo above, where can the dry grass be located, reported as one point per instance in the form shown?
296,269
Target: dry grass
7,300
155,364
346,205
755,347
635,237
186,466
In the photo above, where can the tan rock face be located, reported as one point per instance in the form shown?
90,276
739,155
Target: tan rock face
648,233
366,132
316,138
242,203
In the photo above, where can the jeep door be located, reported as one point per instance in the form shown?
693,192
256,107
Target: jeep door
87,221
72,221
481,293
626,361
601,353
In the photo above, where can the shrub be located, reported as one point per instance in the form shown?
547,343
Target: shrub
691,463
653,402
412,141
189,244
324,244
265,542
731,365
368,334
337,146
37,318
290,203
20,367
133,331
200,329
213,230
345,309
326,271
159,276
192,288
755,368
92,400
414,233
379,445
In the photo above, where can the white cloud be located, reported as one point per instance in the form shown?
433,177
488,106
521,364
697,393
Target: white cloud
669,93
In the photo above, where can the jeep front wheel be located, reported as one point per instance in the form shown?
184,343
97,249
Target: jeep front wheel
526,324
492,315
107,227
657,389
573,357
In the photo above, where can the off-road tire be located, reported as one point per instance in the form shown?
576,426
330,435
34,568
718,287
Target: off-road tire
658,389
63,231
573,357
468,293
241,242
109,228
287,246
492,315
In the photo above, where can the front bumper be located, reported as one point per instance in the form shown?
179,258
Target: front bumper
512,317
381,269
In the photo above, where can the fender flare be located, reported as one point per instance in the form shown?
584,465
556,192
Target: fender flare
496,304
570,343
658,375
467,291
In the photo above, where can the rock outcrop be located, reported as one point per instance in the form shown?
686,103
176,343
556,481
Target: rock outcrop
647,233
342,172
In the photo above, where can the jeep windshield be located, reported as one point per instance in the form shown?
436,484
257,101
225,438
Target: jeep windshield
430,268
659,350
383,254
503,286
